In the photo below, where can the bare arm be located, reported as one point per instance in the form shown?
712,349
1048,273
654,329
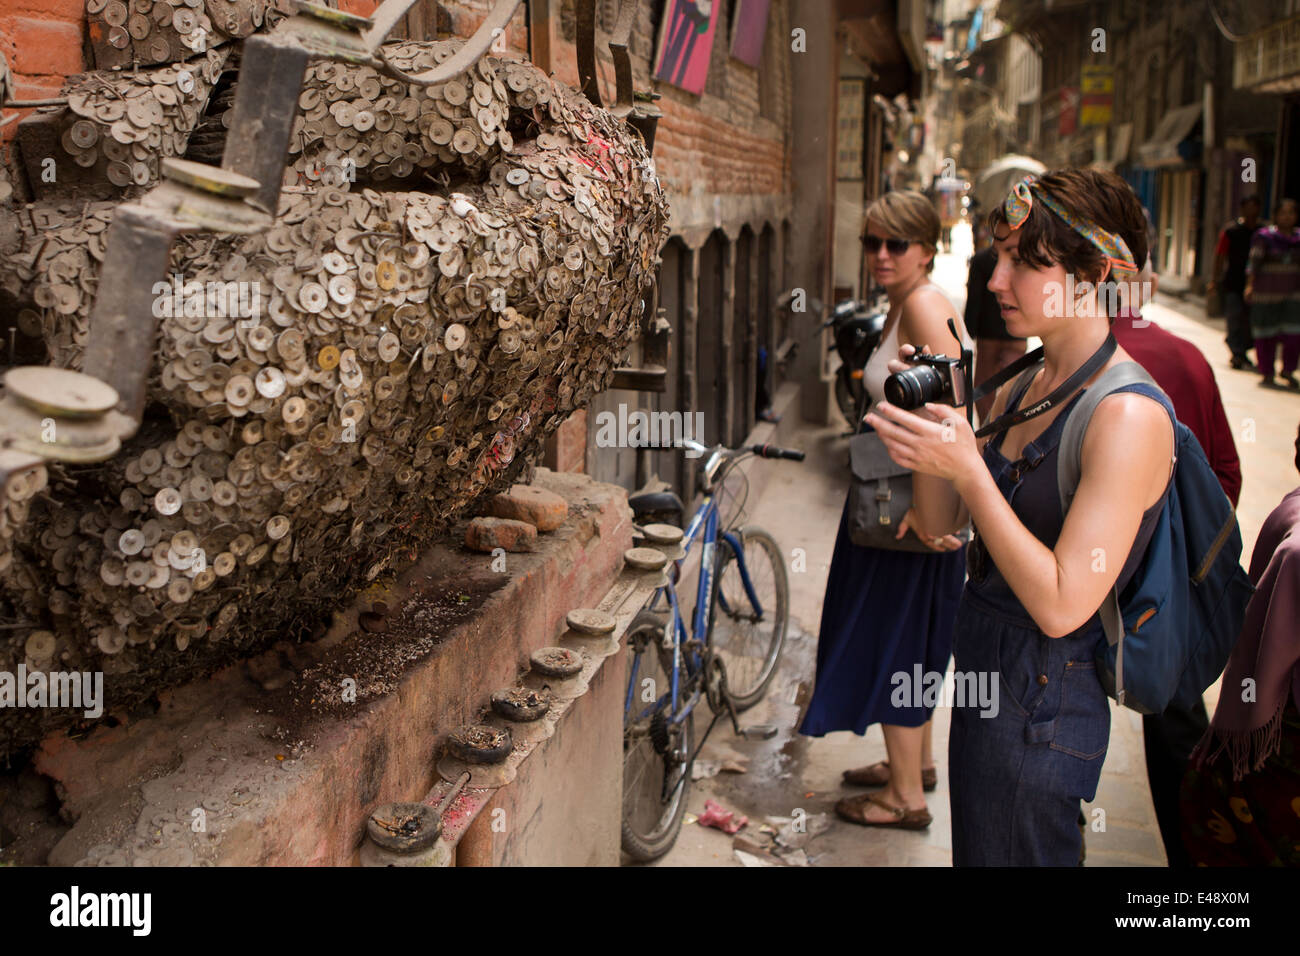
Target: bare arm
937,507
1126,458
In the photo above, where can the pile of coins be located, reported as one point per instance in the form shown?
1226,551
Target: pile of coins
126,33
122,124
331,394
58,275
381,128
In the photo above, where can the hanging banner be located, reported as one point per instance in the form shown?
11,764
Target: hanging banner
686,42
748,28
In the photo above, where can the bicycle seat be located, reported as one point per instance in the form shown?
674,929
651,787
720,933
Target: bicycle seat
656,503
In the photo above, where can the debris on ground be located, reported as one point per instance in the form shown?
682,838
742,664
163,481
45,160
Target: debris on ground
795,832
752,853
705,769
717,816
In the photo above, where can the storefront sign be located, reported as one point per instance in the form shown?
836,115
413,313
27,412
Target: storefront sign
1098,95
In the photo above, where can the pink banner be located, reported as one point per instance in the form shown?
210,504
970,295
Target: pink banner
686,42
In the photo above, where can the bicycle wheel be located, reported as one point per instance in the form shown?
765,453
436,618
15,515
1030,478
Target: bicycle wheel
656,754
749,639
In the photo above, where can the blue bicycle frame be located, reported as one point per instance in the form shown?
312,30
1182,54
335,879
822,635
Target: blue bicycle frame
705,521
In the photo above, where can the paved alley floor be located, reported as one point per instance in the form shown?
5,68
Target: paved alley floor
793,776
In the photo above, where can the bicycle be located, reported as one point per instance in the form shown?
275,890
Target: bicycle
742,604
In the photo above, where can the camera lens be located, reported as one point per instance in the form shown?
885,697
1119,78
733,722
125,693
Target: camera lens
913,387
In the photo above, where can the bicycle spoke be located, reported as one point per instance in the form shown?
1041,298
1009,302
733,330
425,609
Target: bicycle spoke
747,639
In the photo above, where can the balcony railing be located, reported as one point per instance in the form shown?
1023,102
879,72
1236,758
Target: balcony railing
1268,61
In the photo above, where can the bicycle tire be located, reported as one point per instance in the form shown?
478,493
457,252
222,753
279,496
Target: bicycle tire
745,692
641,842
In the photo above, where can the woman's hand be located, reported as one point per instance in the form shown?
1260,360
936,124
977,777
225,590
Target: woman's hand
936,441
905,352
947,542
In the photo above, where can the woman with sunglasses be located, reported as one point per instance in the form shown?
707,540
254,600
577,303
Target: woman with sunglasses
1028,615
891,612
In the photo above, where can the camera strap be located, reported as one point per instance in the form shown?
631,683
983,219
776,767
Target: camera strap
1063,391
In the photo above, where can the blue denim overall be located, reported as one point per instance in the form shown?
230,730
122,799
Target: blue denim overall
1016,779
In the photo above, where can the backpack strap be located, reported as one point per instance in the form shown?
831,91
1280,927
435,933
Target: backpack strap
1069,470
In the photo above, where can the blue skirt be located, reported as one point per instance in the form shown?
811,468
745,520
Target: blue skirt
885,613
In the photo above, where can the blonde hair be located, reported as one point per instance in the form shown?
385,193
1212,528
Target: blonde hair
906,214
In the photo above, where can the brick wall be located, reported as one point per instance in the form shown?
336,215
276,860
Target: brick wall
42,40
720,144
717,143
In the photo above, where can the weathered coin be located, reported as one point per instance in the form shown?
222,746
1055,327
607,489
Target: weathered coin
270,382
167,501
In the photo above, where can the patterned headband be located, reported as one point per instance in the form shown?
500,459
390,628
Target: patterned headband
1021,200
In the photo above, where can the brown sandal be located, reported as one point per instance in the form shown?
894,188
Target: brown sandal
877,775
850,809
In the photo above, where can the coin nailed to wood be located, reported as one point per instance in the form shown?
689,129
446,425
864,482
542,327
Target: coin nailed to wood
305,434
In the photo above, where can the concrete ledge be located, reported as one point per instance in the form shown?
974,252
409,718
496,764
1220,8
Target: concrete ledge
228,773
786,404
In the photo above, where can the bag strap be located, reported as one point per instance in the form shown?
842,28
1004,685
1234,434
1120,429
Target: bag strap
1069,460
1068,473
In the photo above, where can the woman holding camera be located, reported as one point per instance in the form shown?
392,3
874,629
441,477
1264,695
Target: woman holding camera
1028,615
890,612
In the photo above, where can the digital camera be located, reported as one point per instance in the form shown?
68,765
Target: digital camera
933,378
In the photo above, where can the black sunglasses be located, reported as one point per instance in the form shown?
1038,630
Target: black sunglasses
896,247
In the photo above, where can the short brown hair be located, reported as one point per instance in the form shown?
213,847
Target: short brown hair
1093,195
906,214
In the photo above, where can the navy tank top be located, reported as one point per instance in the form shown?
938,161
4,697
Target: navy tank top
1029,485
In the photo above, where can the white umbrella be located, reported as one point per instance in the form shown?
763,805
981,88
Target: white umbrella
995,180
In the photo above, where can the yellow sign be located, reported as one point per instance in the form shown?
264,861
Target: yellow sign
1097,79
1097,95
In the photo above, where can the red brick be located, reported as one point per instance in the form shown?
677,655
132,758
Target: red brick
544,510
46,47
73,11
487,534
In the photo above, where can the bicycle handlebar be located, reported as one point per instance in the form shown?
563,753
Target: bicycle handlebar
772,451
762,451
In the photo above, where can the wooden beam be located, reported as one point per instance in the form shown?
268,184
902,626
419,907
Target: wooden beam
727,360
540,26
649,378
688,394
751,339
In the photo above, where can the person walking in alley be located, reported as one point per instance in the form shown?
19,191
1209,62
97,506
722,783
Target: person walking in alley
1230,257
1183,373
887,612
1273,293
1029,610
995,347
1245,811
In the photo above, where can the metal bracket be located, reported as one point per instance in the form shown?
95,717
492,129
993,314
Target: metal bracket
464,58
641,116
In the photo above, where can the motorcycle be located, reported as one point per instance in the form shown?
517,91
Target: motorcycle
856,328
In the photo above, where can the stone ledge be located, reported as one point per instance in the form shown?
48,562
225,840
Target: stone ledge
286,778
